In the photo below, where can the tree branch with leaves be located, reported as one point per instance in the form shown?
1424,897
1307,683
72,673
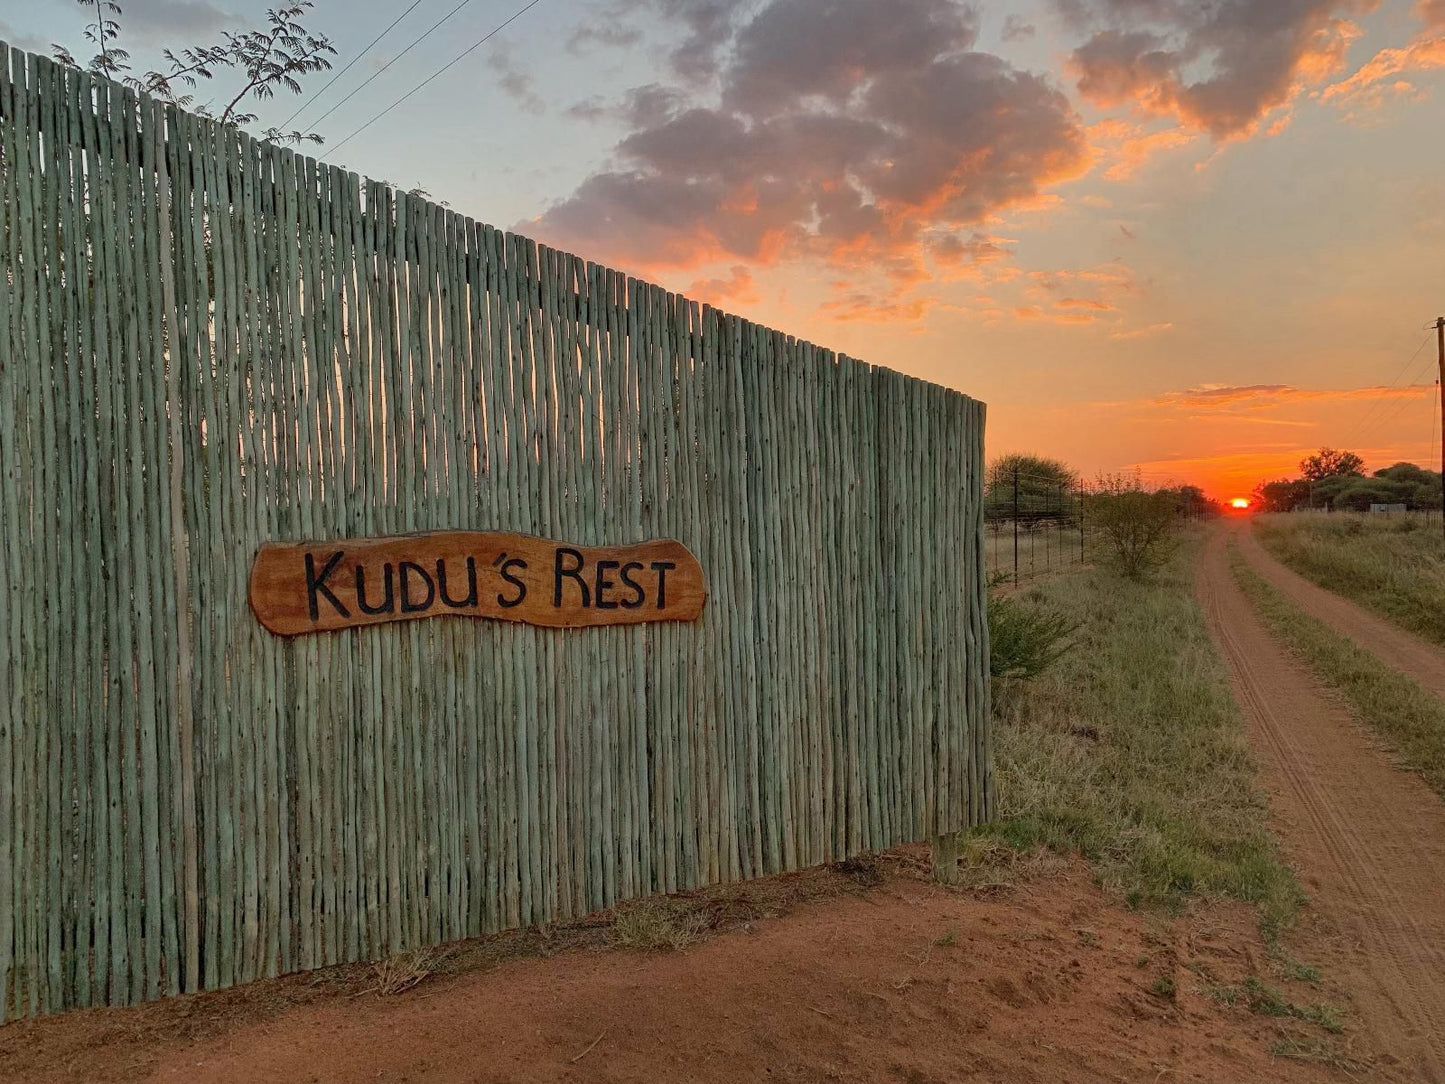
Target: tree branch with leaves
276,56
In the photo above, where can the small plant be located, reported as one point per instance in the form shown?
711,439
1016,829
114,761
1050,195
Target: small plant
1142,962
1225,995
1024,638
1317,1050
1267,1001
1264,999
1306,973
1140,529
1164,987
397,974
948,940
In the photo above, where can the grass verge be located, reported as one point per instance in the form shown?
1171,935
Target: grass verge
1394,566
1131,752
1409,720
1267,1001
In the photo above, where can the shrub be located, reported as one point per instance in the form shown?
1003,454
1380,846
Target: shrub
1139,528
1024,639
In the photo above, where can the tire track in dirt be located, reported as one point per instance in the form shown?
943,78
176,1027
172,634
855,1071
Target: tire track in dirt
1368,839
1420,660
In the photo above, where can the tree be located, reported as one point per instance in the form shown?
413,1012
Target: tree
1408,472
1139,527
1283,495
1191,502
1329,463
275,57
1043,486
1359,493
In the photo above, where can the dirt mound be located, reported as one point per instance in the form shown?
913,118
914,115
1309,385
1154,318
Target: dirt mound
900,980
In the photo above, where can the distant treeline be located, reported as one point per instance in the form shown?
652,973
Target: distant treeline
1034,487
1336,481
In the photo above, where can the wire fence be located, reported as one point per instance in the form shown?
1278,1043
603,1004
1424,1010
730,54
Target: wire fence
1034,524
1040,524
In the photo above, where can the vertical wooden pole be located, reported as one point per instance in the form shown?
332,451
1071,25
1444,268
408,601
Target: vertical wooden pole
1440,350
945,858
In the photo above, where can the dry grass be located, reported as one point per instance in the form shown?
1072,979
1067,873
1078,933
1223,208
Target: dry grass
1131,752
1321,1052
661,924
1393,565
1410,721
397,974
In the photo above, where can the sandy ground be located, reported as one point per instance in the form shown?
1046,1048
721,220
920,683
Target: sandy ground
1048,980
1416,658
1368,839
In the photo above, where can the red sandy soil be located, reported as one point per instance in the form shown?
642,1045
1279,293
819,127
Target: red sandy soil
1417,659
1047,980
1368,838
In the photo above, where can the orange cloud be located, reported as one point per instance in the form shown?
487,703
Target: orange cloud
1081,296
845,131
1125,334
1091,303
1378,81
1209,396
859,307
1127,148
739,288
1036,312
1220,69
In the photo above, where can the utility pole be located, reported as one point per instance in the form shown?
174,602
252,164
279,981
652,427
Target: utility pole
1440,345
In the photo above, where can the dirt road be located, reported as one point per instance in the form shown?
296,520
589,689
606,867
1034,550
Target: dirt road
1416,658
1368,839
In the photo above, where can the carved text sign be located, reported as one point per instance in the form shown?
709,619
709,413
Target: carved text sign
324,586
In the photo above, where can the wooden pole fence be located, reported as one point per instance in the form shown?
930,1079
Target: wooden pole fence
212,345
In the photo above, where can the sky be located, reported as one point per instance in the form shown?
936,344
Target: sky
1196,239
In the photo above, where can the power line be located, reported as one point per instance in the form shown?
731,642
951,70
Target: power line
1370,415
1379,403
390,62
1390,416
331,82
488,36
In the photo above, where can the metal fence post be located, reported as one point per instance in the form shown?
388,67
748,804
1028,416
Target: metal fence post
1016,526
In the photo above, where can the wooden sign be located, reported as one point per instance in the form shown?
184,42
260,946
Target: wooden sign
325,586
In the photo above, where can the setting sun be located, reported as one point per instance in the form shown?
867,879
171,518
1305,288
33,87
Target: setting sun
1239,502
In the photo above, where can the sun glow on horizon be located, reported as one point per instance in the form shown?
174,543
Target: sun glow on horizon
1241,503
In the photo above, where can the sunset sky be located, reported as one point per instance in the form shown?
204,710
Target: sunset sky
1194,237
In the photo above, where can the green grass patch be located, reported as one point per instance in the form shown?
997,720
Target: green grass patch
1267,1001
1130,751
1024,639
1393,565
1410,721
